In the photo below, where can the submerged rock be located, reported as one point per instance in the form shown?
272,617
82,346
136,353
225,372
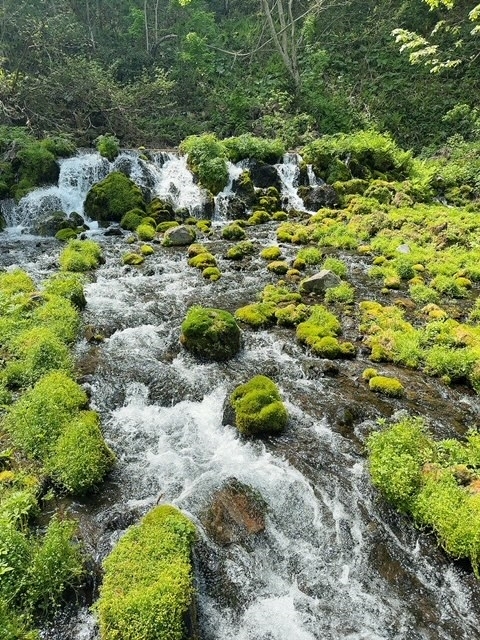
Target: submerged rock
237,512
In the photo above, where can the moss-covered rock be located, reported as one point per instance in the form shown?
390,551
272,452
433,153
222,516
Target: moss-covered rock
240,250
132,219
211,333
271,253
258,407
278,266
179,236
145,232
68,286
258,315
64,235
148,585
111,198
233,232
134,259
386,386
212,273
203,260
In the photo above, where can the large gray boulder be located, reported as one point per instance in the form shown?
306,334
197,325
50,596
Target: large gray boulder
180,236
315,198
320,282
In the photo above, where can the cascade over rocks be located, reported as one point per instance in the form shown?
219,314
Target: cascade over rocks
315,198
236,512
320,282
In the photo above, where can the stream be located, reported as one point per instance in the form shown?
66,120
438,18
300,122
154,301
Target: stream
335,561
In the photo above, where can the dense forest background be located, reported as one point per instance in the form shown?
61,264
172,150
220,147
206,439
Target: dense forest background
152,72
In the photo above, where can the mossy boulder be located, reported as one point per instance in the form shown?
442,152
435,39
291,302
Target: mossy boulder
211,333
233,232
386,386
132,219
111,198
148,589
258,407
240,250
80,255
179,236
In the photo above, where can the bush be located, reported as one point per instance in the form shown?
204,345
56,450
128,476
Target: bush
148,585
207,160
210,333
108,146
81,459
248,146
80,255
258,407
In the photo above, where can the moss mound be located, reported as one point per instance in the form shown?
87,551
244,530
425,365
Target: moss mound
386,386
111,198
80,255
210,333
148,584
258,407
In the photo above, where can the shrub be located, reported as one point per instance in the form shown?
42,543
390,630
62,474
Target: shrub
108,146
80,255
258,407
210,333
148,584
207,160
80,458
248,146
386,386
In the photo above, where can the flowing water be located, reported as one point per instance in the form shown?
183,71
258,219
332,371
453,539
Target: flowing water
334,561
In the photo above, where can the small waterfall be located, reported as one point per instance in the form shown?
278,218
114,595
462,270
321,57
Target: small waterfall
77,175
289,173
174,182
313,181
221,200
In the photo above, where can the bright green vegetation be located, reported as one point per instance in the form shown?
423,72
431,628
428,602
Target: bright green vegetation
386,386
233,232
108,146
207,159
132,219
111,198
437,482
271,253
212,273
64,235
344,293
80,255
68,286
133,259
278,266
148,585
310,256
147,250
277,304
210,333
320,331
337,266
240,250
203,260
258,315
145,232
258,407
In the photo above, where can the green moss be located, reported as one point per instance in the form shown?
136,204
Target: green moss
344,293
369,373
279,294
386,386
240,250
38,418
292,314
147,250
196,249
212,273
259,217
210,333
257,315
80,458
68,286
337,266
132,219
16,281
133,259
80,255
310,256
203,260
145,232
233,232
280,216
111,198
108,146
258,407
148,584
320,324
64,235
59,315
271,253
421,294
163,226
277,266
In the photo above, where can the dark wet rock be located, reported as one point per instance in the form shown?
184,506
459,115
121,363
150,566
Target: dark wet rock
315,198
51,223
316,368
237,512
320,282
264,175
244,189
208,208
119,518
113,231
180,236
236,209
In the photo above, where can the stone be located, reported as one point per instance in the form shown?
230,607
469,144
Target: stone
403,248
264,175
211,333
180,236
236,209
236,513
51,224
113,231
320,282
321,197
